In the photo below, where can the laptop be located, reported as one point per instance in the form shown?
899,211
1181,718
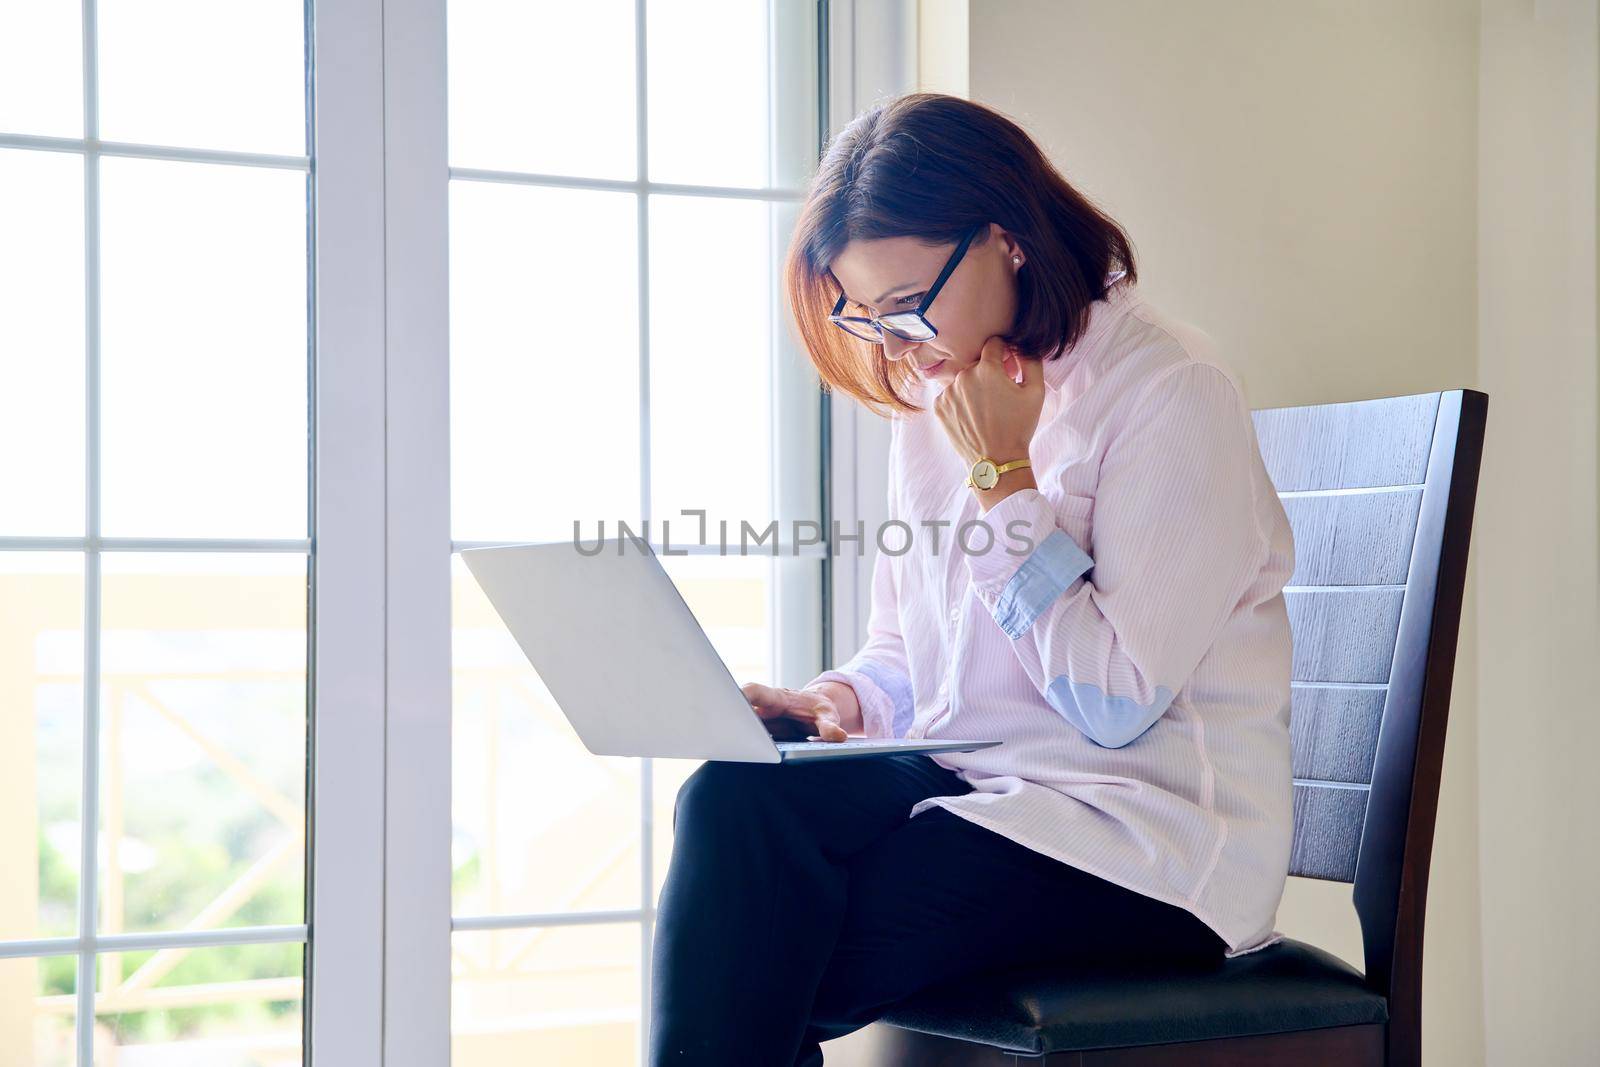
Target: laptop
628,664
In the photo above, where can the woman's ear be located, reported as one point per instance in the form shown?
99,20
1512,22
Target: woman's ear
1010,247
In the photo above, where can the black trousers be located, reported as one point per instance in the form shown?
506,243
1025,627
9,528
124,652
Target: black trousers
801,902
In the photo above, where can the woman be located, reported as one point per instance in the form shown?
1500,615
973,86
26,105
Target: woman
1110,609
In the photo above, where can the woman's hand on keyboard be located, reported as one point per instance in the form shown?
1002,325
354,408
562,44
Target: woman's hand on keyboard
793,714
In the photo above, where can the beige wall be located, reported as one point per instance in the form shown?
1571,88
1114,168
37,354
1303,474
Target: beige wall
1539,640
1370,198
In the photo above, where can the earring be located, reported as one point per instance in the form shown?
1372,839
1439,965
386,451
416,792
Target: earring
1016,259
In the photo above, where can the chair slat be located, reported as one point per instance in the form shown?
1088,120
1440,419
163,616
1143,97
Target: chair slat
1327,831
1344,446
1334,732
1353,539
1343,635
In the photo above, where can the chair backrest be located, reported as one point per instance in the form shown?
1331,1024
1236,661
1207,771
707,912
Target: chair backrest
1379,494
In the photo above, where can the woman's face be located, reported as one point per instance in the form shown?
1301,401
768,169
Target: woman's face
978,301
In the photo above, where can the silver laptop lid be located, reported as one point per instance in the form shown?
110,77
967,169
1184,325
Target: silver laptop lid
619,650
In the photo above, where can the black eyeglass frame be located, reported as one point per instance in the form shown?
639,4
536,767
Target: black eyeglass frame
876,322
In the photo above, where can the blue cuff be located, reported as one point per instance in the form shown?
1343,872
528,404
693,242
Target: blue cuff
1049,569
1110,722
897,688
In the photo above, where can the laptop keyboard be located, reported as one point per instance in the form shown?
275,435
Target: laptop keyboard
860,742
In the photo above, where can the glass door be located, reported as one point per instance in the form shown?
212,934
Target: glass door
154,532
623,179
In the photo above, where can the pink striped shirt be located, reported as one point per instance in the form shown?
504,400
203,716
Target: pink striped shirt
1122,629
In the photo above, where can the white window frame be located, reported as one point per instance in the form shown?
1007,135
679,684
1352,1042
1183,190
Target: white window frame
88,944
379,920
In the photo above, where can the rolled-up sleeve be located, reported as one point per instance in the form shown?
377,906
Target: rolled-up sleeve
1110,639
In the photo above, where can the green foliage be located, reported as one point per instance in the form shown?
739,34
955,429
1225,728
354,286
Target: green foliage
58,975
204,831
466,876
225,963
58,889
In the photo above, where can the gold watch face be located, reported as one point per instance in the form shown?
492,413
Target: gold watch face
984,475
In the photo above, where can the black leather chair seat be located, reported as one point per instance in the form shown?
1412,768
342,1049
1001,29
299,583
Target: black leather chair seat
1043,1009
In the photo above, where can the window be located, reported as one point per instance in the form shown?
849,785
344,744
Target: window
270,353
154,531
618,355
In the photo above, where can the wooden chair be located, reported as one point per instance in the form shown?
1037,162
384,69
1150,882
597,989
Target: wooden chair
1380,496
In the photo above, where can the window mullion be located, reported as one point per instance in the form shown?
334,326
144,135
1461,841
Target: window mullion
345,974
89,811
641,133
417,537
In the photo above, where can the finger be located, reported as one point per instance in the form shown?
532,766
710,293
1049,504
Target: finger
994,351
828,728
823,725
1013,365
1032,372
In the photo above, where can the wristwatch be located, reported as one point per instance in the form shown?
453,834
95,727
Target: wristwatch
986,474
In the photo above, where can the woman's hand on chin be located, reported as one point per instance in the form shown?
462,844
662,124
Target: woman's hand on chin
986,412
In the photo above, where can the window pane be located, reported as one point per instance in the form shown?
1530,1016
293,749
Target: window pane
552,995
747,119
203,350
41,742
541,824
41,68
228,1006
202,74
203,736
41,338
709,120
711,417
37,1010
546,88
544,360
731,598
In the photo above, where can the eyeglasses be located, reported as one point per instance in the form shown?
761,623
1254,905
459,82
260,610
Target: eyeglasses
906,325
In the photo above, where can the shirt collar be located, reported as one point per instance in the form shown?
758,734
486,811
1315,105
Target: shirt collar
1102,314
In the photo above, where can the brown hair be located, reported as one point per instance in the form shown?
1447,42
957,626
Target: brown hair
930,166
